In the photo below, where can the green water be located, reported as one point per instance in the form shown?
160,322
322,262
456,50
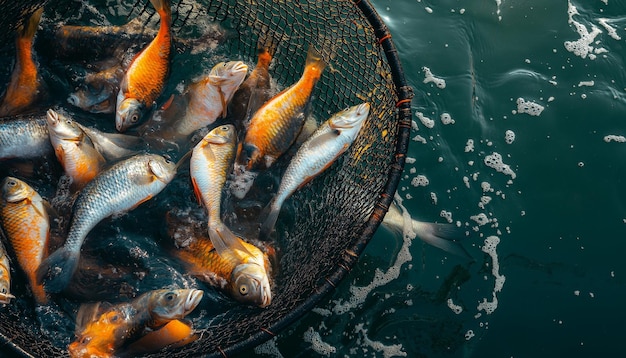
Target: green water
561,221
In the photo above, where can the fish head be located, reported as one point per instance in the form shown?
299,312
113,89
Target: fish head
128,114
94,98
351,118
221,135
61,127
163,169
228,76
166,305
250,284
15,190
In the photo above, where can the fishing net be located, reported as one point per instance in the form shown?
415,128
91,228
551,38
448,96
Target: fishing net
332,218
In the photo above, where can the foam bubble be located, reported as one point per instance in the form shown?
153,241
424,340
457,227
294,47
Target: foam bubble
489,247
484,200
446,119
269,348
242,182
433,197
419,138
439,82
410,160
394,350
509,136
529,107
581,47
446,215
427,122
319,346
455,308
614,138
481,219
586,83
469,146
495,161
420,180
469,334
609,29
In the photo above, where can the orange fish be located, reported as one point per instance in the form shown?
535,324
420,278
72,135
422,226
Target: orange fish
102,330
174,334
25,86
275,126
27,225
146,76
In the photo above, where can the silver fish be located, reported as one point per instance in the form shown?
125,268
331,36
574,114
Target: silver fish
24,138
5,277
316,154
116,190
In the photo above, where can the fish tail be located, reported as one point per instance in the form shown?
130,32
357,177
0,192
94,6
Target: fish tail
30,27
56,271
268,225
314,62
164,8
443,236
225,241
40,294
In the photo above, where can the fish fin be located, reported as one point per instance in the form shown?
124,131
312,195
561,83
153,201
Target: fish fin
197,191
168,103
443,236
112,146
258,96
56,271
29,29
143,200
270,222
314,60
321,139
87,313
225,241
224,102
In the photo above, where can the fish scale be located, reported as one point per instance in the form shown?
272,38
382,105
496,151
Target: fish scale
24,138
120,188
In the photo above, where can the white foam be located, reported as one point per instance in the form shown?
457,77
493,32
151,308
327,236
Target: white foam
469,334
509,136
581,47
490,248
529,107
419,138
420,180
495,161
359,294
481,219
269,348
585,83
446,215
455,308
428,10
439,82
394,350
484,200
615,138
469,146
427,122
410,160
446,119
319,346
433,197
609,29
242,181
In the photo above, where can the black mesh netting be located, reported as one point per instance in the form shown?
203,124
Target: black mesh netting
335,216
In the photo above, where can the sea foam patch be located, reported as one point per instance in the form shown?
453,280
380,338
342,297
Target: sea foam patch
528,107
495,161
581,47
438,81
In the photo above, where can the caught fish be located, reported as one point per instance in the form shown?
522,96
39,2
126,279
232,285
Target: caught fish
252,93
275,126
210,164
74,150
242,273
316,154
26,85
442,236
24,138
120,188
5,277
174,334
26,223
104,330
98,92
145,79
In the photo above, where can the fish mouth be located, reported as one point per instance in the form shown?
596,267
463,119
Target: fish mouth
240,67
193,299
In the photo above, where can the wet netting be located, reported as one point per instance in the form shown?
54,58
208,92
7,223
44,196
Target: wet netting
331,219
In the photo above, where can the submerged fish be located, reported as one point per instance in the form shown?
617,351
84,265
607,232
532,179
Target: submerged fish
24,138
443,236
252,94
5,277
242,273
26,84
145,79
316,154
98,92
275,126
207,99
27,225
74,150
102,330
118,189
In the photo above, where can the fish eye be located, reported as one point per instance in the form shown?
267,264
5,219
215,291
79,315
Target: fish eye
115,318
4,290
225,128
134,118
170,297
85,340
243,290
